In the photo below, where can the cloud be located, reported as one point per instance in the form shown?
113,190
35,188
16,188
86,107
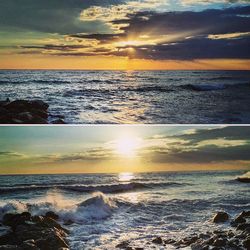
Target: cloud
183,35
11,154
57,16
201,146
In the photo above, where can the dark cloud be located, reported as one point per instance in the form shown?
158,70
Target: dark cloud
192,150
95,154
200,26
229,133
57,16
54,47
211,21
102,38
10,154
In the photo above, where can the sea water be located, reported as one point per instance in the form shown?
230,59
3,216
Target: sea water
145,97
106,209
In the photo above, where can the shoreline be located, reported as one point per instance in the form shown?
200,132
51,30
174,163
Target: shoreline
46,233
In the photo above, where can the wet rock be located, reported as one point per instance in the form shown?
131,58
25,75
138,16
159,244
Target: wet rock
68,222
157,240
220,242
246,243
243,179
58,121
52,215
34,232
238,220
10,247
220,217
24,112
243,226
7,239
123,245
13,220
53,241
169,241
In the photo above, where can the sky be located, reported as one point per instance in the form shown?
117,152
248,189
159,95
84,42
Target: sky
125,34
110,149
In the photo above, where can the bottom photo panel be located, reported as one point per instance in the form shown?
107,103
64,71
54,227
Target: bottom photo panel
124,187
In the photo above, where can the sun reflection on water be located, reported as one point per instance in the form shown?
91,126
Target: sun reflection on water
125,176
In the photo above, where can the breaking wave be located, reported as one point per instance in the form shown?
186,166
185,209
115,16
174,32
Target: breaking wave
107,188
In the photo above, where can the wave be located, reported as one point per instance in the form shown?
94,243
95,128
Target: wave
107,188
150,88
50,81
244,178
214,86
98,207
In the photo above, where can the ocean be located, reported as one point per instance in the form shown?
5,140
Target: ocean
106,209
141,97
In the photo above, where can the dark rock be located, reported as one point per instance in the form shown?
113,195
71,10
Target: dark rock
52,215
34,232
169,241
123,245
245,214
58,121
52,241
8,238
246,243
68,222
220,217
157,240
238,220
220,242
243,179
10,247
243,226
39,104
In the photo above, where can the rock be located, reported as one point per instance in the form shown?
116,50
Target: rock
52,242
245,214
52,215
169,241
34,232
220,242
58,121
243,179
123,245
39,104
157,240
220,217
243,226
68,222
25,112
238,220
8,238
246,243
13,220
10,247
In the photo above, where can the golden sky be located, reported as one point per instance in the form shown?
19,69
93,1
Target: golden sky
108,149
125,35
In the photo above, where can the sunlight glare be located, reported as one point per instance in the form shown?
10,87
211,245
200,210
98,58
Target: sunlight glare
125,176
127,146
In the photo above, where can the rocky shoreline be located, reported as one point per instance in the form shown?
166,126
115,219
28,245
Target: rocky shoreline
33,232
235,237
26,112
29,232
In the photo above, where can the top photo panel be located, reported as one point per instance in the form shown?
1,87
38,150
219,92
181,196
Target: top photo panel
125,62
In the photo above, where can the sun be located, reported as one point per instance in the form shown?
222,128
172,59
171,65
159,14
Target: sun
127,146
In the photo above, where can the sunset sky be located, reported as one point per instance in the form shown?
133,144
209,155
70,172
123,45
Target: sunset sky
124,34
103,149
